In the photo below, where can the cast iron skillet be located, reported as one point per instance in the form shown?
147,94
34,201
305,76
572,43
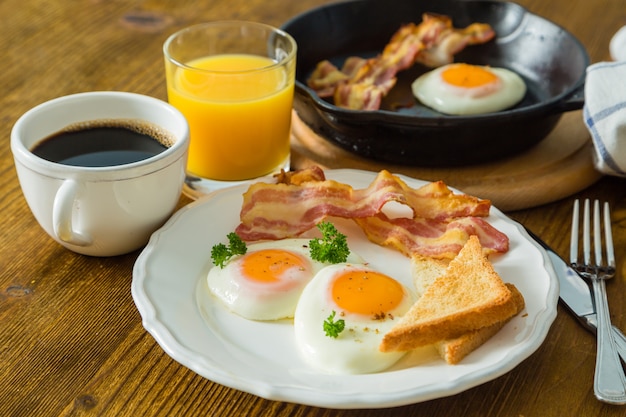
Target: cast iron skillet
550,60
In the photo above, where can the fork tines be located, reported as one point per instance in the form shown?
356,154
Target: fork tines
598,266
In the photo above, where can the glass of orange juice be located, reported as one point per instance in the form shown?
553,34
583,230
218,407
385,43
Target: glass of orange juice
234,83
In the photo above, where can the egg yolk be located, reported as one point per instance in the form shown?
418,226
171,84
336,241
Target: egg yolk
468,76
269,265
366,292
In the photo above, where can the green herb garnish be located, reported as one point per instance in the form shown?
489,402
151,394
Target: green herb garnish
332,248
332,328
220,253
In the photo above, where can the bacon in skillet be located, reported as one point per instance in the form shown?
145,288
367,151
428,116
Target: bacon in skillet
362,83
326,76
441,223
441,40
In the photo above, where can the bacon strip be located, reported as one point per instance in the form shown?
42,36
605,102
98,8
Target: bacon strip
361,84
285,210
313,173
441,40
440,225
427,237
326,76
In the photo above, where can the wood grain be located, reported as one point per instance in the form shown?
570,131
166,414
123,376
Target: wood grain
71,339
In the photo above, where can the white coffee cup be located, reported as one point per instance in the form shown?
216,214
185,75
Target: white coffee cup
100,211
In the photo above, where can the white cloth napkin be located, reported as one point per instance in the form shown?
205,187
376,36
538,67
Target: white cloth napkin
604,114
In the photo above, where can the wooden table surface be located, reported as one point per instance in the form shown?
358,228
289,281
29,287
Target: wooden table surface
71,338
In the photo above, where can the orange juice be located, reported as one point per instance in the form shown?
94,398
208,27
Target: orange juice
239,111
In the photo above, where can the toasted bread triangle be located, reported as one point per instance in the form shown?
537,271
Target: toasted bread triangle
454,350
470,295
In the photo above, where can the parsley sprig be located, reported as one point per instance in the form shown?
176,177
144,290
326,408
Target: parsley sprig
332,247
220,253
332,328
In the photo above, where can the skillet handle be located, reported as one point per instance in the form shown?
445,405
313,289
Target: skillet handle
574,101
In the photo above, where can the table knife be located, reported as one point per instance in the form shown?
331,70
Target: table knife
575,294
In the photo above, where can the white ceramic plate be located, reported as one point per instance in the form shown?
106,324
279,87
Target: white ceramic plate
260,357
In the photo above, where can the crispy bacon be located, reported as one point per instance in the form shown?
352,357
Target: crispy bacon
441,220
326,76
362,83
441,40
285,210
429,237
301,176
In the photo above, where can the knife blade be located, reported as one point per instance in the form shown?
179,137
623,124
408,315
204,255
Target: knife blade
575,294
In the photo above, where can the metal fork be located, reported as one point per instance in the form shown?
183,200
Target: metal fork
609,381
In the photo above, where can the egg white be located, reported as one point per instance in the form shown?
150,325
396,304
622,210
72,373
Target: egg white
434,92
265,300
355,350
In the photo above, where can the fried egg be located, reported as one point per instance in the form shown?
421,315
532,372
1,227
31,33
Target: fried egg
463,89
266,282
368,301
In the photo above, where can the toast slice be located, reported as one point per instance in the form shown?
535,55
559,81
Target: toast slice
470,295
454,350
425,271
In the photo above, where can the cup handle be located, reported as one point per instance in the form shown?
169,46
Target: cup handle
62,215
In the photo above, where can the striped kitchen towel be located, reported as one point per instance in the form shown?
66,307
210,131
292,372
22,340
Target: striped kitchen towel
604,114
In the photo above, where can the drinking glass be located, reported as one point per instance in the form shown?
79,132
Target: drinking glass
234,83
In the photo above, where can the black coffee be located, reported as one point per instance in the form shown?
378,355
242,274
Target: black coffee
102,143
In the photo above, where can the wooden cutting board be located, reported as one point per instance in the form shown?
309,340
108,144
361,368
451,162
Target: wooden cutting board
557,167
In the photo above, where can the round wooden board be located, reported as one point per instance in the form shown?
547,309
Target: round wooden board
557,167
